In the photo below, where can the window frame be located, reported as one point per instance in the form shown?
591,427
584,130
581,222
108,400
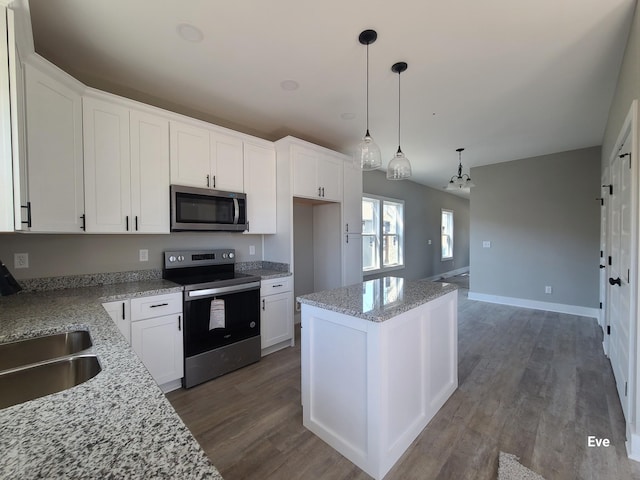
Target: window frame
442,234
380,234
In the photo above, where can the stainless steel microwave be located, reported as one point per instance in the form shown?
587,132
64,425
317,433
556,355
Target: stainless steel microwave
202,209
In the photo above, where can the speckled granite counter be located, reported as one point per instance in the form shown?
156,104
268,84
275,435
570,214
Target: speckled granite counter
265,270
378,300
116,425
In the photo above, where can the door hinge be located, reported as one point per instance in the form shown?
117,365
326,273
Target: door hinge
608,329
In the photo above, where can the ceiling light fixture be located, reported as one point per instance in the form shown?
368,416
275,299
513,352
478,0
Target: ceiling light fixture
460,182
367,155
189,32
399,167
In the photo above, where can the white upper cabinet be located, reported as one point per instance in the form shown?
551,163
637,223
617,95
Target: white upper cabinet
6,176
260,187
352,199
107,166
149,172
126,169
316,174
190,155
206,158
54,173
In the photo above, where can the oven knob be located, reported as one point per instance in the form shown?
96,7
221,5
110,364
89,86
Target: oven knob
180,258
172,258
252,324
231,254
224,255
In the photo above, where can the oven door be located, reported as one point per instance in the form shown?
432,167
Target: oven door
217,317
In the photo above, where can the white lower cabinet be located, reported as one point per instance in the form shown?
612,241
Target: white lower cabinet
153,326
120,313
276,314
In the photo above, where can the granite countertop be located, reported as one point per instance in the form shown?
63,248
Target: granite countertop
116,425
267,274
380,299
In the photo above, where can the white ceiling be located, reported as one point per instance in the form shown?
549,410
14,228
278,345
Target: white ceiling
505,79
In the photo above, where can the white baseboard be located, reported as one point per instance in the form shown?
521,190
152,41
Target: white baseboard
536,305
633,446
450,273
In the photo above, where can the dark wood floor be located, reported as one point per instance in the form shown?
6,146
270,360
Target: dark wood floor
532,383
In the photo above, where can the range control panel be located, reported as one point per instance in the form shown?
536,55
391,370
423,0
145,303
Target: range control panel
195,258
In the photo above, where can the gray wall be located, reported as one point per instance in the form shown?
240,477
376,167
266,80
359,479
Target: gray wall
57,255
627,89
542,219
422,210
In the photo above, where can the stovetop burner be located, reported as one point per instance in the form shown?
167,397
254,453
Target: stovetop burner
204,269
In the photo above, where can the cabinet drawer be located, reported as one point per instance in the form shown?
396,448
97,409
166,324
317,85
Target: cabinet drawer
275,285
155,306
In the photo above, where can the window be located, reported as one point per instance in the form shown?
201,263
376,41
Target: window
382,233
447,234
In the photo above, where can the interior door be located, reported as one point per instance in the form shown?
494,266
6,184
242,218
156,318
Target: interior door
619,271
604,233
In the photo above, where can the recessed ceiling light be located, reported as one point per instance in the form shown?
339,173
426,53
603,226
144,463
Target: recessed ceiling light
189,32
347,116
289,85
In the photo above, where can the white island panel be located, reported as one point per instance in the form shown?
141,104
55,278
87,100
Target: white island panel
370,387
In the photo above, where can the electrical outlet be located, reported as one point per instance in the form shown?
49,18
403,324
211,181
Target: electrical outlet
144,255
429,242
548,289
21,260
486,244
252,249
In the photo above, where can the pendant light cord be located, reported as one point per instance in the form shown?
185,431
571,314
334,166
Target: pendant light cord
367,89
399,117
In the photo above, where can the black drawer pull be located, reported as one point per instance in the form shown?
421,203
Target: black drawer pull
278,285
159,305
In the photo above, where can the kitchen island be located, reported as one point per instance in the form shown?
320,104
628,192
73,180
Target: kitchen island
379,359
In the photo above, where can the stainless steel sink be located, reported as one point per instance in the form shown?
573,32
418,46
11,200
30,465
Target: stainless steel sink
34,381
33,350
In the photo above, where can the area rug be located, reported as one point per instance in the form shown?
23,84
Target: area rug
510,469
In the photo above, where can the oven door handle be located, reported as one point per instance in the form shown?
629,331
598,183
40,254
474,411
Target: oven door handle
236,208
206,292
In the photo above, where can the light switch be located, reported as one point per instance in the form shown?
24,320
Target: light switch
486,244
252,249
144,255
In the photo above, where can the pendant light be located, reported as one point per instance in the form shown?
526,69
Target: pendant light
460,182
399,167
367,155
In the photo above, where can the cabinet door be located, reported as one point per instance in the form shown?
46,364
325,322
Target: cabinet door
260,187
190,155
352,199
158,343
6,180
149,173
107,173
54,146
120,313
351,259
227,165
330,177
276,320
304,172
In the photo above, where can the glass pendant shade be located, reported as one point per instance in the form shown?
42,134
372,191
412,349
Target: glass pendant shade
399,167
368,155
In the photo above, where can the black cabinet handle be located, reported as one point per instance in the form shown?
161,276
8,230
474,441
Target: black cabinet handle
127,222
83,227
615,281
208,181
276,286
136,223
28,207
214,181
179,323
263,304
123,314
319,191
159,305
323,191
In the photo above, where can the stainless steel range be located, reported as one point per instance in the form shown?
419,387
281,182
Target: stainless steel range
221,312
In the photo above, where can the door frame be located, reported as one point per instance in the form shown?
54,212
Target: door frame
630,129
